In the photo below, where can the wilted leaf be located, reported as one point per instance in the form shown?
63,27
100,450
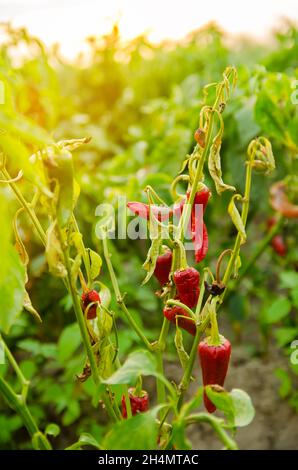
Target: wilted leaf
236,217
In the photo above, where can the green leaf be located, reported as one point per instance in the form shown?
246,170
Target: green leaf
294,295
223,401
69,341
95,263
106,353
85,439
289,279
279,309
138,363
72,413
12,275
285,382
138,433
244,411
52,429
285,335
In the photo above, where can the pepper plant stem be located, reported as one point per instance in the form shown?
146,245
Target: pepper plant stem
19,406
119,297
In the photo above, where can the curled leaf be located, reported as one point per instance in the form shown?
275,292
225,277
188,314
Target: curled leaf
54,253
260,155
182,354
236,217
20,247
150,262
214,166
27,304
73,144
95,263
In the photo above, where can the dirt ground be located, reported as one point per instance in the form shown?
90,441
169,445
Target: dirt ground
275,425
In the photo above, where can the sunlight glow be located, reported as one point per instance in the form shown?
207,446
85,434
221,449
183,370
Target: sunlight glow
70,21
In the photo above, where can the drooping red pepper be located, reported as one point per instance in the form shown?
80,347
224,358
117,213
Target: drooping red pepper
201,244
139,403
187,283
214,363
87,298
187,324
163,267
201,197
162,213
278,242
198,227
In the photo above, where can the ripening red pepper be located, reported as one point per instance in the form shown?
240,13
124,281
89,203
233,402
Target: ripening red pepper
201,197
214,363
187,283
87,298
198,227
162,213
278,242
163,267
138,403
201,244
187,324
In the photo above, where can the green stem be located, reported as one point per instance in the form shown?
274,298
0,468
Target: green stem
84,331
119,297
244,213
26,206
24,382
216,425
84,253
161,392
127,402
180,304
215,340
18,405
192,357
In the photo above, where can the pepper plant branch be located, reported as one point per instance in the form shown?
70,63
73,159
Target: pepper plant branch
216,425
17,403
27,207
119,296
82,326
24,382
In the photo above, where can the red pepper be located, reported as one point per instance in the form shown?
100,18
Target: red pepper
278,242
201,197
186,324
187,284
139,404
163,267
86,299
214,362
143,210
201,245
198,228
